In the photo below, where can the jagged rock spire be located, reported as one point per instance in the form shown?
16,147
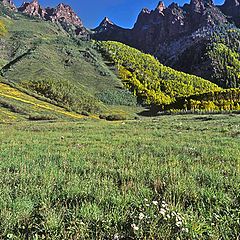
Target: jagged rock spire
200,5
32,9
106,21
105,25
160,7
9,3
66,14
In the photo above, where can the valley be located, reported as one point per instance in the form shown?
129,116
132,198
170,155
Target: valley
113,133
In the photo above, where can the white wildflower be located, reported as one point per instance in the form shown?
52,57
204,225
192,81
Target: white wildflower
173,214
155,203
135,227
116,237
178,224
185,230
163,211
141,216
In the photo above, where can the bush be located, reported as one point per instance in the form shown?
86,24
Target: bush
116,117
41,118
85,113
102,116
11,107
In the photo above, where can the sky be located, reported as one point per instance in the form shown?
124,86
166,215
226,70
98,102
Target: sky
122,12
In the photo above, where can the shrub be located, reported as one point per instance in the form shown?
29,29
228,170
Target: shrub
41,118
11,107
116,117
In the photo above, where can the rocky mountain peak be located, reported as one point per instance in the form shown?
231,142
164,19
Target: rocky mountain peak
106,21
106,25
200,6
9,3
32,9
231,3
231,8
64,13
157,27
160,6
145,11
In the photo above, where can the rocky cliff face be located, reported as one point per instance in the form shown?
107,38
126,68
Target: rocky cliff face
176,35
231,8
108,30
10,4
32,9
164,24
62,14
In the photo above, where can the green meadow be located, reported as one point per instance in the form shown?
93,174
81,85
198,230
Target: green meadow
169,177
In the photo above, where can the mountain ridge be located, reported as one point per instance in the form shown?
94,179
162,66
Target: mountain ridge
180,37
89,76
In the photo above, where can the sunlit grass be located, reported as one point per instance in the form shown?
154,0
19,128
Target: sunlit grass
162,178
31,104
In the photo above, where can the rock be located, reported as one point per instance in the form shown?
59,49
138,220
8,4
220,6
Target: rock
62,14
160,7
32,9
163,25
10,4
231,8
108,30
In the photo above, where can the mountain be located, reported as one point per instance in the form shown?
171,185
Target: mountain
181,37
40,59
62,14
41,55
231,8
165,24
10,4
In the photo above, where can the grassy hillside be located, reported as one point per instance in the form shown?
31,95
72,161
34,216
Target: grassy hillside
164,178
16,105
43,59
149,79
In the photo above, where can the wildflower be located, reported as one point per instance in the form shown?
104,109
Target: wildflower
148,205
173,214
163,211
10,235
141,216
145,199
116,237
185,230
178,224
135,227
155,203
178,217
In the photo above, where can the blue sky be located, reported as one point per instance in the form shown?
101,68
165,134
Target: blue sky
121,12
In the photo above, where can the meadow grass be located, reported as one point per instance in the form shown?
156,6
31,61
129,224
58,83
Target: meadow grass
171,177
